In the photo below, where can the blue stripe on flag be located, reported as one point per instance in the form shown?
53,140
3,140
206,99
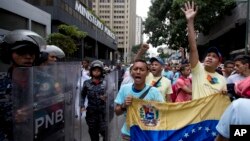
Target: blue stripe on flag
202,131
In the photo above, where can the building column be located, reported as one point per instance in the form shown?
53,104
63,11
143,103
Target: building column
96,50
82,49
107,54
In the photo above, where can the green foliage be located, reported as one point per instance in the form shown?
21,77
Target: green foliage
166,22
68,38
135,48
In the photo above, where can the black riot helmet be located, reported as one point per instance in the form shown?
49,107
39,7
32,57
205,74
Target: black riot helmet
20,40
97,64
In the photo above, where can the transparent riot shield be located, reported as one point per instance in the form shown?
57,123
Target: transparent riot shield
43,99
80,125
114,122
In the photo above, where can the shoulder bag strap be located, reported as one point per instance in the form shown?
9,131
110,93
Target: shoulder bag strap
157,82
145,93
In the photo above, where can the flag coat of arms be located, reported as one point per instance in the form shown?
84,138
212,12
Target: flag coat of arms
187,121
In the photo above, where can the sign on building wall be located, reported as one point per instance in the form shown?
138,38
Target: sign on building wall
91,18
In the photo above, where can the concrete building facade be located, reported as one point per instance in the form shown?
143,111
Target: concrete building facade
100,42
139,31
229,34
120,16
17,14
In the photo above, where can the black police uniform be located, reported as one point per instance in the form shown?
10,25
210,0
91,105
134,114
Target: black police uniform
96,110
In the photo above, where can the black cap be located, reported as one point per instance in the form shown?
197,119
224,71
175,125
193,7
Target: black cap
216,51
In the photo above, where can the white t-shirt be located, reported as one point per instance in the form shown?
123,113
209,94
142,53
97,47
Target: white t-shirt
237,113
234,78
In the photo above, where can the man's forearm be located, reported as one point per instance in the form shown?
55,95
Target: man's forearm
191,35
139,55
143,49
194,57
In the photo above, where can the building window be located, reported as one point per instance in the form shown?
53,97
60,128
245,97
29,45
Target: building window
38,28
104,1
119,1
11,19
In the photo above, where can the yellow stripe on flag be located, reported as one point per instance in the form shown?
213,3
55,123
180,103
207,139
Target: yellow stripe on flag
149,115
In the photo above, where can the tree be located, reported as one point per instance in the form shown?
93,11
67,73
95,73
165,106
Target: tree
166,22
68,38
163,55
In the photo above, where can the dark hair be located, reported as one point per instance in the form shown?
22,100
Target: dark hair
243,59
86,60
228,62
142,61
182,68
43,58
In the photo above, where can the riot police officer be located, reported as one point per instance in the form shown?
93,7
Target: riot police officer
50,55
19,48
94,89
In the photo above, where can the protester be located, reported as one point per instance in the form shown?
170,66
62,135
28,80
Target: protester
205,80
228,68
85,67
19,48
84,75
236,113
127,78
155,77
177,73
242,70
137,89
184,85
94,89
242,67
121,72
168,73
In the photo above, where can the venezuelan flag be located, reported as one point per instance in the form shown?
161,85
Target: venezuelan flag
188,121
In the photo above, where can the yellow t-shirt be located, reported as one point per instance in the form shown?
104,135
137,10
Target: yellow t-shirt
205,83
164,86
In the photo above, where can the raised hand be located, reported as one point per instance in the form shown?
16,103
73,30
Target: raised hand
190,10
144,47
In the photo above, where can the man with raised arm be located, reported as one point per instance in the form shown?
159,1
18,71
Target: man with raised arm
205,80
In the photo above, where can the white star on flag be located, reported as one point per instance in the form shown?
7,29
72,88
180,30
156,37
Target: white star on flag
214,134
207,129
186,135
199,128
193,130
